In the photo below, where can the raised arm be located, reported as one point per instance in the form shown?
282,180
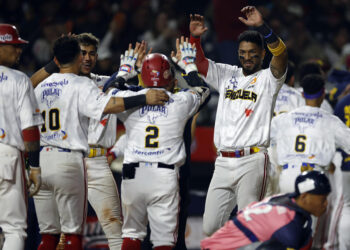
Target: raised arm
44,73
278,64
197,29
185,58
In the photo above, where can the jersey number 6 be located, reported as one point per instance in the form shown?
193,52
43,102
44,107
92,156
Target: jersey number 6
300,143
153,133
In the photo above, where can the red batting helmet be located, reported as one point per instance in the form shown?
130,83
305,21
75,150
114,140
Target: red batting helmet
156,70
9,35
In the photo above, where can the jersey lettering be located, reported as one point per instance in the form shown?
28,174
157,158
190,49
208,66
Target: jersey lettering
256,210
241,94
347,115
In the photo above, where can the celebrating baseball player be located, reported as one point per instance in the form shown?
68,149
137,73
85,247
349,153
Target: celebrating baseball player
283,219
67,101
102,190
154,152
300,137
19,120
242,126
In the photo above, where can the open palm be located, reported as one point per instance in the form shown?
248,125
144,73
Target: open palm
254,17
197,27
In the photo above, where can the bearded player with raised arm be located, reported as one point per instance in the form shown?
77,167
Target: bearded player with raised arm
245,108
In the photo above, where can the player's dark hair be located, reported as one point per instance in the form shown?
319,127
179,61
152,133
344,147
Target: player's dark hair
253,37
312,84
307,68
66,49
88,39
290,71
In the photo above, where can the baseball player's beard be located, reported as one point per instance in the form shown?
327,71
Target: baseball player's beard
249,71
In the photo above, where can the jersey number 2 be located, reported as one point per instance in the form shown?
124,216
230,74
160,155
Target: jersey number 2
54,120
153,133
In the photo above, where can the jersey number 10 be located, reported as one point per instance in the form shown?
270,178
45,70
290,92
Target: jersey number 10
54,120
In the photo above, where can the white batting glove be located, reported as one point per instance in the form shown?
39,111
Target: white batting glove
127,65
188,58
203,92
35,179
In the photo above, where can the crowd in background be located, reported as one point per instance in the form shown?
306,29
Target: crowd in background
312,30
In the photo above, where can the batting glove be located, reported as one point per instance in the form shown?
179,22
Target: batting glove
188,58
127,65
203,92
35,179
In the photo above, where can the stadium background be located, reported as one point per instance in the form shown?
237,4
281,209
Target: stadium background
312,30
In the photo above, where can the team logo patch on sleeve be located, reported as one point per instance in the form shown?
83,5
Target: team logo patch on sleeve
2,133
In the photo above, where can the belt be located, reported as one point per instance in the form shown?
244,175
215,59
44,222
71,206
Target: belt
304,166
128,172
49,148
159,165
95,152
239,152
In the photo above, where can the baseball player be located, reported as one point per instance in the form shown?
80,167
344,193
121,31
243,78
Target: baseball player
67,101
102,190
300,137
155,150
242,125
342,110
283,219
19,120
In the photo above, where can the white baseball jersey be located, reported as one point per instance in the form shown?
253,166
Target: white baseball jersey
19,109
102,132
155,133
288,98
245,105
67,101
309,134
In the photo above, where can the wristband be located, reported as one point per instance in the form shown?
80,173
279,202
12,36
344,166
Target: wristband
134,101
33,159
268,34
51,67
30,135
279,49
194,80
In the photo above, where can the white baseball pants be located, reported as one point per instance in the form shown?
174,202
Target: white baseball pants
236,181
104,198
13,198
153,195
61,202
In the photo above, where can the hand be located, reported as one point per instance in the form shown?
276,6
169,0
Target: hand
185,55
127,63
156,97
254,17
35,179
142,51
197,27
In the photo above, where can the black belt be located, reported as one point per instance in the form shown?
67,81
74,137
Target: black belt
129,169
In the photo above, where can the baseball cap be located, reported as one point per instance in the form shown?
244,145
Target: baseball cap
9,35
312,182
